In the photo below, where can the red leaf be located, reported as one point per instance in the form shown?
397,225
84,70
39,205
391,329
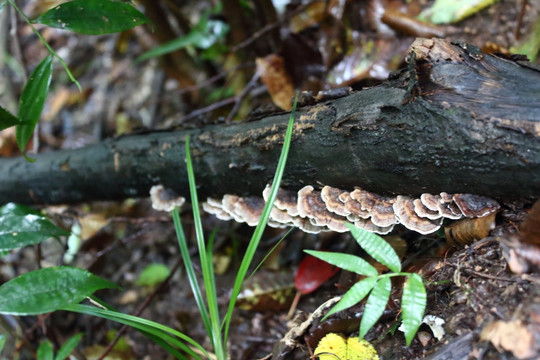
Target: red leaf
312,273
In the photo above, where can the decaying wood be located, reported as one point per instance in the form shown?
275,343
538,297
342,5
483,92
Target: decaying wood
456,120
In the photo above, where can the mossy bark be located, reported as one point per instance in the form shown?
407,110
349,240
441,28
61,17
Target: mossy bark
456,120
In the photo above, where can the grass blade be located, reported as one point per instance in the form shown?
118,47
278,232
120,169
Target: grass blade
143,325
206,263
257,234
195,288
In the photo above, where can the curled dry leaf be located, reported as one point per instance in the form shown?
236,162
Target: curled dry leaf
278,82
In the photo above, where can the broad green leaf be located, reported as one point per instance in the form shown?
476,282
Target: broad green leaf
49,289
452,11
45,351
17,209
21,226
375,305
346,262
413,304
32,101
376,247
2,342
68,347
153,274
6,119
354,295
93,17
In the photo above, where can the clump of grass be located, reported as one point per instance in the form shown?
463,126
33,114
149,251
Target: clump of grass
217,327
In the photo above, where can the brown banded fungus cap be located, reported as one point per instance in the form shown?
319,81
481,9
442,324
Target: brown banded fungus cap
249,208
285,200
368,225
448,208
475,205
431,201
165,199
311,206
353,207
423,211
215,207
379,207
331,197
404,210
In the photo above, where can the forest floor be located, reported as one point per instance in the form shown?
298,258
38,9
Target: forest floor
489,299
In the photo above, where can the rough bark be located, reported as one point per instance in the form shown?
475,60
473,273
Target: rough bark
456,120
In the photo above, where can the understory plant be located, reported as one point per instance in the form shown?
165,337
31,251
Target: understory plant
63,287
378,286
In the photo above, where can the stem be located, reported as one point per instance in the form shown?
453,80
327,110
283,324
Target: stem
44,42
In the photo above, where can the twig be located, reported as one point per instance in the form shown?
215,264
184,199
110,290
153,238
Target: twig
240,97
259,33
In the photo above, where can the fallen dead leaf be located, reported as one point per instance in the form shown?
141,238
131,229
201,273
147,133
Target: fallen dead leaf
511,336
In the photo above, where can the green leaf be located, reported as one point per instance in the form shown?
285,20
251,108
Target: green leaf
6,119
354,295
452,11
68,347
93,17
2,342
143,325
413,304
45,290
376,247
263,220
346,262
205,34
153,274
21,226
45,351
32,101
375,305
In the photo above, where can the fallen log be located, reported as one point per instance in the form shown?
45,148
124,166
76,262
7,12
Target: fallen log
456,120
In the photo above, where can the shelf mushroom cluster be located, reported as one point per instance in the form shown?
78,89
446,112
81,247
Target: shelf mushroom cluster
330,208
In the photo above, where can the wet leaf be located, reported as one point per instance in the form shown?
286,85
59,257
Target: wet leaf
375,305
153,274
46,290
312,273
334,346
21,226
376,247
32,101
354,295
413,304
93,17
346,262
45,351
6,119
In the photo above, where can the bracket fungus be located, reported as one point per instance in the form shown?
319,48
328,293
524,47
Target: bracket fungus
165,199
331,208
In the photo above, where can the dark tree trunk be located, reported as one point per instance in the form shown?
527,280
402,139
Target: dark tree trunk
457,121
